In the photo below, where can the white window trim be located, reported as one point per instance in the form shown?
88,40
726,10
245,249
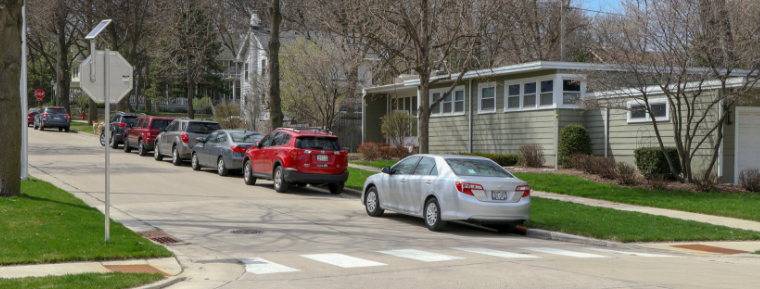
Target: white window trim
480,95
559,87
453,101
648,117
522,82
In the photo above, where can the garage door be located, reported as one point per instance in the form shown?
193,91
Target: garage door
748,139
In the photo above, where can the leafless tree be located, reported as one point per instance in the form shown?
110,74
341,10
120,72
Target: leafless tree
10,102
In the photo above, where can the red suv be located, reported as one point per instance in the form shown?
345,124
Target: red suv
143,132
297,156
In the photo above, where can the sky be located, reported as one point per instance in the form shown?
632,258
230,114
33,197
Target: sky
602,5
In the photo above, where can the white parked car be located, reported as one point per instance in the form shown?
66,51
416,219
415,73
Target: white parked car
440,188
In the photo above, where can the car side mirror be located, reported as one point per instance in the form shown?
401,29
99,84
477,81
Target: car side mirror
201,139
387,170
256,144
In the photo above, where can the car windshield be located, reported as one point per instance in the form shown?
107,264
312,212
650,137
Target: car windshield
56,110
34,110
242,137
318,143
128,119
203,127
160,123
477,168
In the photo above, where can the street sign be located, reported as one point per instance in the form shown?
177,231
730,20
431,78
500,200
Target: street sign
119,77
40,94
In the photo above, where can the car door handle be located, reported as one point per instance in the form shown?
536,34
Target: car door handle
429,182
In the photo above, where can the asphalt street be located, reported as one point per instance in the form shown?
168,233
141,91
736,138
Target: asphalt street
307,238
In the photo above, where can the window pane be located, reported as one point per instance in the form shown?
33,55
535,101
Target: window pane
571,85
318,143
405,167
436,96
530,88
459,106
514,89
658,110
414,106
436,108
638,112
407,103
487,104
488,92
513,102
477,168
547,98
529,100
447,107
459,95
547,86
424,167
570,97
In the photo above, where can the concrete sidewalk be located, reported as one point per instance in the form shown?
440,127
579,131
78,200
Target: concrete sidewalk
166,266
366,168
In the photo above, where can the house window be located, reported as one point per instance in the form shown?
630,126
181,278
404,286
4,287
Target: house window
232,67
547,94
446,105
263,66
246,71
529,96
453,104
637,111
488,98
459,101
571,91
513,96
437,108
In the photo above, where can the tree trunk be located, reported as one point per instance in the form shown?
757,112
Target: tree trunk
10,98
158,105
93,111
190,91
275,107
423,123
62,72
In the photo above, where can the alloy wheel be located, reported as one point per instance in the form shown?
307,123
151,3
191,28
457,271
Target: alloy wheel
431,215
247,172
372,201
278,179
220,166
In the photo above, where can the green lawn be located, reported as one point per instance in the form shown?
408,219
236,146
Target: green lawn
49,225
378,164
82,127
736,205
625,226
83,281
356,178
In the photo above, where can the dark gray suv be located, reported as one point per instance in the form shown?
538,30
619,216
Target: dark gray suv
179,138
120,121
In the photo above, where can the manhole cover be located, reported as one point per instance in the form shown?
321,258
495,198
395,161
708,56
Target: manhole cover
711,249
246,232
164,239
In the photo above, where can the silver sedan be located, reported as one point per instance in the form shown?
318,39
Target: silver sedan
440,188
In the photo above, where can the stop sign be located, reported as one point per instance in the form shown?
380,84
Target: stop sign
40,94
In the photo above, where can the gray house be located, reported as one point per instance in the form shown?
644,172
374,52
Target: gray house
500,109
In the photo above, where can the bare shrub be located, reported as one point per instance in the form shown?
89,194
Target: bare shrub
396,126
625,174
228,115
370,151
604,167
658,182
705,182
532,156
750,180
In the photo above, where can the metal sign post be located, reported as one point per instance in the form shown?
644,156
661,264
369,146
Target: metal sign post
108,146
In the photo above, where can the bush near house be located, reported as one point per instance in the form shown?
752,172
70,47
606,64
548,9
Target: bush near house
750,180
532,156
501,159
371,151
573,139
651,161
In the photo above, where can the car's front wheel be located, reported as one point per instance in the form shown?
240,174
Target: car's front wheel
113,143
372,203
248,173
433,215
103,139
176,159
280,185
127,148
157,153
195,163
141,149
221,169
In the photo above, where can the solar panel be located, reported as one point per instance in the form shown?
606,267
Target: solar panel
101,26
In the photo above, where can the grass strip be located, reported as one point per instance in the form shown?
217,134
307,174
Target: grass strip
49,225
81,127
625,226
356,178
735,205
378,164
83,281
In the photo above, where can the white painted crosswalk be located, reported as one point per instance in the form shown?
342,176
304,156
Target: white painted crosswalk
420,255
629,253
564,253
496,253
261,266
341,260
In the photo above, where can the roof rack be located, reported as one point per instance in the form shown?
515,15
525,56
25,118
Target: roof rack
299,129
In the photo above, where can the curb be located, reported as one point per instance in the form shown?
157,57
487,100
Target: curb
557,236
164,283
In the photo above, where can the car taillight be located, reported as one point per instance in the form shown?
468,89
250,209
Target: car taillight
45,114
467,188
68,116
148,135
525,189
121,124
184,138
294,153
238,149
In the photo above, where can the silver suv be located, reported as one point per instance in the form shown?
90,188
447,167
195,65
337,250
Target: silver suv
179,138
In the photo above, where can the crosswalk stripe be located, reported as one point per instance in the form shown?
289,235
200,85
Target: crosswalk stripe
629,253
420,255
564,253
341,260
261,266
495,253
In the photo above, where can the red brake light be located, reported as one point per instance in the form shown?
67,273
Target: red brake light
525,189
238,149
184,137
45,114
121,124
57,107
68,116
467,188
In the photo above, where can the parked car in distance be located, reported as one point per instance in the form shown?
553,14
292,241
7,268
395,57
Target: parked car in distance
52,116
142,133
179,138
298,156
442,188
224,149
30,115
119,123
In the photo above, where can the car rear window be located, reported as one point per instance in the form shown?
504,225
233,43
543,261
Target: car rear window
318,143
53,110
160,123
477,168
202,127
128,119
242,137
34,110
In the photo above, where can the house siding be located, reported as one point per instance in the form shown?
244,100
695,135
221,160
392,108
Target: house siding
374,108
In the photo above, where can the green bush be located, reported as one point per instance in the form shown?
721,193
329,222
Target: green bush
501,159
573,139
651,160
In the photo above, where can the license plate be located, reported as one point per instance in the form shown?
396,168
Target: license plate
322,158
498,195
321,166
57,118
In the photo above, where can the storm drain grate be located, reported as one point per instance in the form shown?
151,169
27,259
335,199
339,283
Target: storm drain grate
165,239
159,236
246,232
134,269
711,249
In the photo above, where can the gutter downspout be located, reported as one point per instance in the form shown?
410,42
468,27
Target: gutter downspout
556,139
606,130
469,135
364,114
720,148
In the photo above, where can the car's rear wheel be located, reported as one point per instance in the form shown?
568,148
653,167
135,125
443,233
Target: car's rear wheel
127,148
433,215
113,143
221,169
60,129
176,159
195,163
67,129
280,185
141,149
157,153
103,139
42,127
335,189
248,173
372,203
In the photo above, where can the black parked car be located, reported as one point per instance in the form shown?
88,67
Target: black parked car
119,123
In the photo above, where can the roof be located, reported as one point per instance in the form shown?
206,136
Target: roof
243,131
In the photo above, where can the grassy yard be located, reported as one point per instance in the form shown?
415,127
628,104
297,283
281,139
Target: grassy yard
625,226
356,178
736,205
378,164
82,127
83,281
49,225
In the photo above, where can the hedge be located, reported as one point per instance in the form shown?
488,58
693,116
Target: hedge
573,139
501,159
651,160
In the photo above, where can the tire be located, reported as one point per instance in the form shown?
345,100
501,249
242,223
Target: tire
335,189
34,125
60,129
195,163
127,148
141,149
433,215
372,203
280,185
113,143
67,129
157,153
42,128
221,169
103,139
176,159
248,174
